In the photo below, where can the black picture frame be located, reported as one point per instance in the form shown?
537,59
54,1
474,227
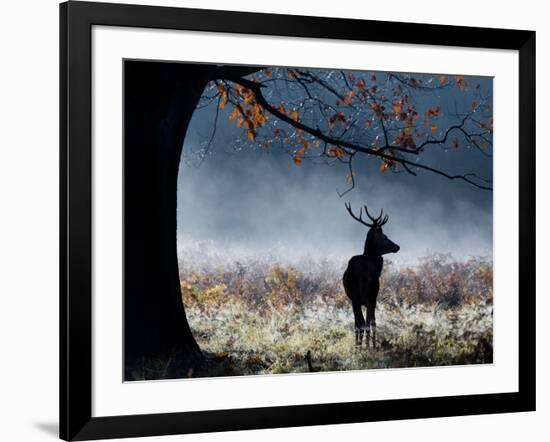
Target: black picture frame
76,21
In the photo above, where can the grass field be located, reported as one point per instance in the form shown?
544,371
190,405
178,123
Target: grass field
261,316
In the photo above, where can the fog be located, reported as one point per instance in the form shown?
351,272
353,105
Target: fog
257,201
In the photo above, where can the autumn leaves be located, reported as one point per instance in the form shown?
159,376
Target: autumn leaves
247,113
334,114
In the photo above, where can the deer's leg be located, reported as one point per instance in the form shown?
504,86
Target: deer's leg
367,336
371,312
371,322
359,322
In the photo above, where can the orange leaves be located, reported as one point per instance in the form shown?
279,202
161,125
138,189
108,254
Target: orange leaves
340,116
292,114
411,118
304,142
487,126
433,112
402,123
242,117
244,122
378,109
387,164
405,139
384,167
246,94
336,151
248,114
398,108
223,94
349,97
461,83
302,151
234,114
258,115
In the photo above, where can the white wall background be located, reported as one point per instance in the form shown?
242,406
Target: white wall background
29,219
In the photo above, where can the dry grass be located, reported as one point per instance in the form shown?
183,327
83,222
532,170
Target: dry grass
261,317
257,316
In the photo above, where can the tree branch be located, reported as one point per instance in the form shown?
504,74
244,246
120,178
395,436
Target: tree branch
256,88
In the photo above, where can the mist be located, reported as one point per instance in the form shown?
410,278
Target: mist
259,202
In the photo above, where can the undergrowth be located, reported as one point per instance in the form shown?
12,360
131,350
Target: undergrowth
262,317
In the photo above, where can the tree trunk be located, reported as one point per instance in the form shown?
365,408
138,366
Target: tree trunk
159,100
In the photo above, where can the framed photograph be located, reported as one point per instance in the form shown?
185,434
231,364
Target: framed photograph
274,220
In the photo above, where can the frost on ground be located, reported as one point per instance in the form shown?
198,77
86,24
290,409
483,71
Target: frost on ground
261,315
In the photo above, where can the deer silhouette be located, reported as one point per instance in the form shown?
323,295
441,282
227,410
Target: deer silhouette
361,278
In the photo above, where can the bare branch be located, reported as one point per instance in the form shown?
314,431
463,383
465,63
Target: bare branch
212,135
351,178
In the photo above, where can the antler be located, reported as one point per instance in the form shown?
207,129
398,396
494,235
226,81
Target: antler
379,221
374,220
360,218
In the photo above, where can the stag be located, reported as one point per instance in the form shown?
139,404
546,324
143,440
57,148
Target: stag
361,278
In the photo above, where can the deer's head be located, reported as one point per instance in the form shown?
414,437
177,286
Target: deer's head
377,243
